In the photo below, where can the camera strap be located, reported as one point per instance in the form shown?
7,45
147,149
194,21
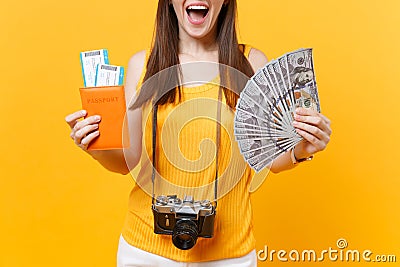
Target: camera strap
218,141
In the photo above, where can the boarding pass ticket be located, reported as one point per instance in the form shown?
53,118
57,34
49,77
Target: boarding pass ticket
109,75
89,62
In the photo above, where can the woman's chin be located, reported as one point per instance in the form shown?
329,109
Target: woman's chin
197,35
198,32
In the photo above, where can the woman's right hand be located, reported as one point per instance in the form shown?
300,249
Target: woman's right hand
83,130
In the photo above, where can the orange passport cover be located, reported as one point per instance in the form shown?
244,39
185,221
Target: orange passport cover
109,103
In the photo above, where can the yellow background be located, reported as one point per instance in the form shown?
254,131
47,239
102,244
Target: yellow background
60,208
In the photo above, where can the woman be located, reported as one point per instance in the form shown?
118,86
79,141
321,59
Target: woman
190,31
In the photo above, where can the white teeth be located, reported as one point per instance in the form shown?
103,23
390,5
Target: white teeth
197,8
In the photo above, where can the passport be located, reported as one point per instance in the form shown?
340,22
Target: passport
109,103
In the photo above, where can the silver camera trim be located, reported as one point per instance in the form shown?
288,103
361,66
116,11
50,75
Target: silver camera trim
182,208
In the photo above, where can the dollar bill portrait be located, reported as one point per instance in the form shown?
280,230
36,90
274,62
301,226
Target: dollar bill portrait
301,76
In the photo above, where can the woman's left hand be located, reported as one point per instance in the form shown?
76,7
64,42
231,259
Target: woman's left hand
315,128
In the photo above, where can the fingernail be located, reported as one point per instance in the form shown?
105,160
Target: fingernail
83,112
96,126
97,118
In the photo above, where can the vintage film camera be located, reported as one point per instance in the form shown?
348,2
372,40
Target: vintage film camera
185,220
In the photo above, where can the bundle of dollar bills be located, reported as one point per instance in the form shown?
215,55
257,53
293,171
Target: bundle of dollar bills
265,110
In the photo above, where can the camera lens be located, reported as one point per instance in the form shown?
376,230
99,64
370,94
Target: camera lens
184,235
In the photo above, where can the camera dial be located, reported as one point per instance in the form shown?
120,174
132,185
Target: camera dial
162,200
205,203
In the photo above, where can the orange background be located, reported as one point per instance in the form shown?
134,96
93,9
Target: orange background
60,208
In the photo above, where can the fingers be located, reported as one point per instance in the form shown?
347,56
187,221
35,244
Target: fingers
311,112
312,144
73,118
313,127
327,121
83,131
88,139
312,117
318,138
79,135
306,111
88,121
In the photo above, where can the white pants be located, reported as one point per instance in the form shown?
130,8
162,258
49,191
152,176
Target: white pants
130,256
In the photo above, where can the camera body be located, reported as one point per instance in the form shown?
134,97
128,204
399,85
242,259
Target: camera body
184,219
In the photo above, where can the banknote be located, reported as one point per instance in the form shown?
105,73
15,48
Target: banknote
263,123
263,97
255,136
262,85
261,152
243,125
258,155
261,132
282,87
264,111
244,116
250,144
256,109
246,129
255,155
267,160
302,79
263,160
282,94
278,144
284,69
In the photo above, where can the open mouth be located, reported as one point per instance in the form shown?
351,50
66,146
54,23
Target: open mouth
197,13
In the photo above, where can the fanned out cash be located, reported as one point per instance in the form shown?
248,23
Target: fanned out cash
265,110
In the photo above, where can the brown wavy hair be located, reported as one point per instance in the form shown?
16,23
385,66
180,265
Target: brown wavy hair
165,54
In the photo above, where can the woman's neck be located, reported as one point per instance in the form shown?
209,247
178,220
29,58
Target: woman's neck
192,49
